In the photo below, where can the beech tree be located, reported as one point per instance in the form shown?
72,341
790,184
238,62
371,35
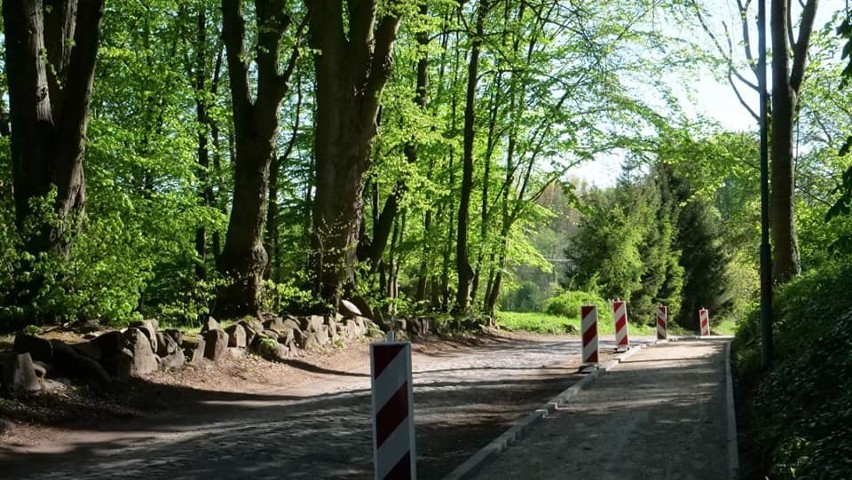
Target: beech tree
243,258
50,52
788,71
353,61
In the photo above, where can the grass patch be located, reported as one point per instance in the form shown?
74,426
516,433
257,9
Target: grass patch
555,324
725,327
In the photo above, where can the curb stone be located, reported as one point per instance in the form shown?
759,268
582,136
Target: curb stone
733,447
514,433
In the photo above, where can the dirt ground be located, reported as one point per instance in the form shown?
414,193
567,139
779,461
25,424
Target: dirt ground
309,416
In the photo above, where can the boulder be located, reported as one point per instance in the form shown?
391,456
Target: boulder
312,323
110,343
332,329
89,349
273,351
38,348
193,349
176,335
74,365
292,323
166,345
286,336
348,309
86,326
322,335
40,369
216,344
362,306
173,360
253,323
236,336
273,324
20,375
236,352
209,323
273,334
149,329
310,341
137,358
352,328
251,333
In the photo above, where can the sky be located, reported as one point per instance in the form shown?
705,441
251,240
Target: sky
716,101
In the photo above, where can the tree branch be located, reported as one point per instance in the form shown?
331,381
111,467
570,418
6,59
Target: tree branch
800,52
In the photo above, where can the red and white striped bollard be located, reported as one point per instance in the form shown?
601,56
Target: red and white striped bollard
704,321
619,311
662,322
589,326
394,456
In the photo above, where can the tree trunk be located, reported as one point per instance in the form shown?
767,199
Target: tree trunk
463,268
50,64
786,84
351,73
243,258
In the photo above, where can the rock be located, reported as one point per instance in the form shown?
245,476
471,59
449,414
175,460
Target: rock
149,329
89,349
252,323
332,328
251,333
236,336
286,336
137,358
236,352
20,375
362,306
193,349
86,326
273,334
40,369
273,351
312,323
173,360
74,365
292,323
110,343
342,331
352,328
310,341
154,323
216,344
176,335
38,348
348,309
166,345
209,323
322,335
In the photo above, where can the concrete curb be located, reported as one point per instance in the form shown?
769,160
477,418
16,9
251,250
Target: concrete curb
733,447
514,432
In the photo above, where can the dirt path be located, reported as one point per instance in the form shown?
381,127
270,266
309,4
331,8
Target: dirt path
660,415
464,397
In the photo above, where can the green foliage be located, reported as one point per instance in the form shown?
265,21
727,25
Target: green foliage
568,303
803,406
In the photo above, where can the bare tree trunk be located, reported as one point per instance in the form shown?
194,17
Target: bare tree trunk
50,64
351,73
463,268
243,258
786,84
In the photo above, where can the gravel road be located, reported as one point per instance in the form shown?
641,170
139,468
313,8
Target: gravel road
660,415
464,397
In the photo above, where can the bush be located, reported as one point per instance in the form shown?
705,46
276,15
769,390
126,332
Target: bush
568,303
802,407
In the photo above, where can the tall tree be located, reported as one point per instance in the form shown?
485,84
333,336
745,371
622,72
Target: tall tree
243,258
787,75
50,63
353,62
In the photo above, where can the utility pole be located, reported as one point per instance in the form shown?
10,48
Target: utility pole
765,248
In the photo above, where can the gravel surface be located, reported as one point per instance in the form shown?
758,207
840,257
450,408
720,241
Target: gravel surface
660,415
464,397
